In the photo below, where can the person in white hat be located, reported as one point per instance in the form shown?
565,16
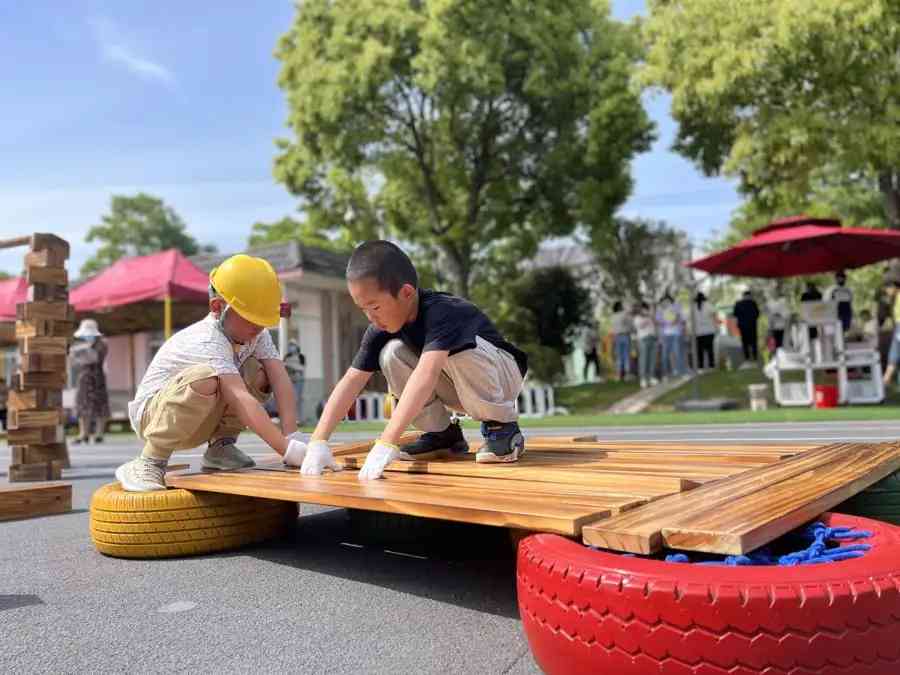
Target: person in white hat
92,399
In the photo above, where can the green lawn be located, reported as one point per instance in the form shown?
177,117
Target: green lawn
592,399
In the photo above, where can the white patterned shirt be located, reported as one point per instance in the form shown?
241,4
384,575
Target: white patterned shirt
200,344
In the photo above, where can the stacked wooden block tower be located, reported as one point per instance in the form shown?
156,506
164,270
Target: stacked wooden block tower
44,327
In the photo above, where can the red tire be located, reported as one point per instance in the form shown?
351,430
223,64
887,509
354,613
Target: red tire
588,611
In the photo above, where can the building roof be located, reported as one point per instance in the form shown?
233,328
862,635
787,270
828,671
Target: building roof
286,256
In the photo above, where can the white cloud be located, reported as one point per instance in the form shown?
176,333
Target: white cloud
114,47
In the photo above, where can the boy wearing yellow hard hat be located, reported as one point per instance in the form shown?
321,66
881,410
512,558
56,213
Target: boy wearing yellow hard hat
209,381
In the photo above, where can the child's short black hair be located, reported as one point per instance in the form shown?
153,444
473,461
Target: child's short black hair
385,262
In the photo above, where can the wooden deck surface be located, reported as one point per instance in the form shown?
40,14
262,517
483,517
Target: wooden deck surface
560,485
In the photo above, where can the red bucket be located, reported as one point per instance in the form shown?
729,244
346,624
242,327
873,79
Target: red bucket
826,396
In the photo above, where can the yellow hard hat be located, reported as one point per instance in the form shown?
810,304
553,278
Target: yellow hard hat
250,287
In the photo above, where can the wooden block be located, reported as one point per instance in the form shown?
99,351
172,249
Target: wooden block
44,345
45,328
43,363
36,436
35,500
29,419
15,241
34,399
7,331
58,276
46,258
29,380
47,293
29,472
56,467
32,454
41,242
31,311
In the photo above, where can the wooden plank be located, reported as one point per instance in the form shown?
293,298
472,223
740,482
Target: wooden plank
38,436
29,472
34,500
29,419
34,311
748,523
45,328
44,345
640,530
546,444
15,241
57,276
45,258
29,380
611,481
364,446
43,363
471,506
34,399
33,454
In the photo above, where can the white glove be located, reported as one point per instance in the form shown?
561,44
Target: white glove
318,458
378,458
296,451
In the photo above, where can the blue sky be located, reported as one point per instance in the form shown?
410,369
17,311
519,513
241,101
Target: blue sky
180,100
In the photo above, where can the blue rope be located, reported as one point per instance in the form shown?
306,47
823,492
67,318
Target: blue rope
817,534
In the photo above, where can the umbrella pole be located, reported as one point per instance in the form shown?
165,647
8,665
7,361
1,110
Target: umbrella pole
167,312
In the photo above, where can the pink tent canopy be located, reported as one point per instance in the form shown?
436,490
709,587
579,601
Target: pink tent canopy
12,292
149,277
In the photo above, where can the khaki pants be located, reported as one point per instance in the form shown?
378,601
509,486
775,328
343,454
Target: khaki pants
179,418
483,382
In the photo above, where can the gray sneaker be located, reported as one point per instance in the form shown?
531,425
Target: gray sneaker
141,475
224,455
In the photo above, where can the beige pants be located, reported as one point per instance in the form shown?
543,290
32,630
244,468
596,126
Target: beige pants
483,382
179,418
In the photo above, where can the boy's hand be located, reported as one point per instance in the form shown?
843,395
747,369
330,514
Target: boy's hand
318,458
295,453
378,458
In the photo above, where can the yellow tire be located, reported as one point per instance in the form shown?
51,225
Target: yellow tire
180,522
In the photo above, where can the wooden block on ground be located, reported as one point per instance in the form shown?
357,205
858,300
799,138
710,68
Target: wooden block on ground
57,276
45,328
35,500
35,311
640,530
30,419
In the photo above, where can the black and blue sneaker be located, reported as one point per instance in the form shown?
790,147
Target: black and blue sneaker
503,442
436,444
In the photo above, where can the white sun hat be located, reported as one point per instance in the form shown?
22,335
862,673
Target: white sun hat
88,329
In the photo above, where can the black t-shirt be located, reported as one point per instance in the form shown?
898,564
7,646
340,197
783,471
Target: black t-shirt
746,312
444,322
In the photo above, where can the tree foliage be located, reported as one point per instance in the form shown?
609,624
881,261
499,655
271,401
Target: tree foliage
138,225
289,229
457,126
541,314
639,259
772,92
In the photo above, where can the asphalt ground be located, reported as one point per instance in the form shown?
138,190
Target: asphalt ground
325,599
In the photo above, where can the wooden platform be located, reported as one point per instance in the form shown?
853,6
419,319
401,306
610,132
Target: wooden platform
625,495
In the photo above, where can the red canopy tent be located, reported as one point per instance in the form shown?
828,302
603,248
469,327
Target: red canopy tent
802,245
12,292
167,276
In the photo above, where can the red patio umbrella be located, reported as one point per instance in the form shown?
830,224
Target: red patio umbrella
799,246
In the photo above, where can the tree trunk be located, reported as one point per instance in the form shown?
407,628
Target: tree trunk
889,184
459,270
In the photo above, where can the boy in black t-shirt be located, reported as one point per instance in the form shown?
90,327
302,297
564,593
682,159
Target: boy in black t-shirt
437,351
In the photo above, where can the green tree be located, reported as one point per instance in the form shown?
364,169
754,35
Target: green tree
545,330
5,275
288,229
458,126
639,259
138,225
772,92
